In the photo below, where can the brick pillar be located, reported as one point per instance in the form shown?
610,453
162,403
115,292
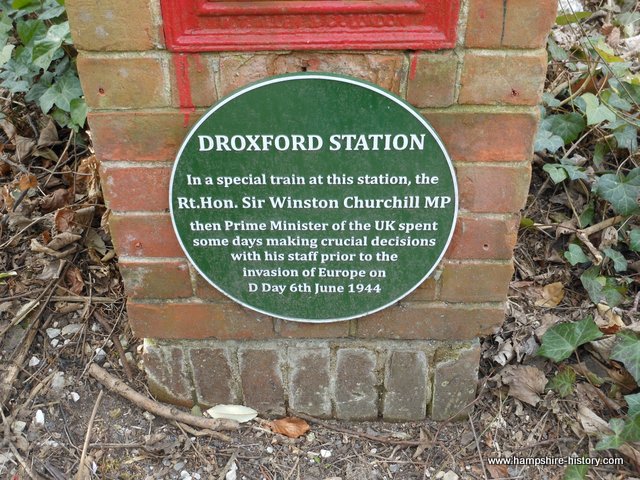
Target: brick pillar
481,98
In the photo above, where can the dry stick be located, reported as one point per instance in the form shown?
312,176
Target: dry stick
156,408
584,234
33,475
87,437
227,467
116,342
375,438
475,436
204,433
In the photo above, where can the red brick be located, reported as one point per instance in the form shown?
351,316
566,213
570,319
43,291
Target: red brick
484,238
112,25
123,82
455,381
213,377
502,78
140,136
356,384
226,321
167,378
493,188
261,376
429,321
136,188
193,79
475,282
166,279
526,23
206,291
486,136
384,70
289,329
432,80
425,292
149,235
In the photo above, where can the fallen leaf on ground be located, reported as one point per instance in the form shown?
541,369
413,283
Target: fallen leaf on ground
27,181
62,240
552,295
48,135
291,427
63,219
73,279
608,320
58,199
525,383
498,471
239,413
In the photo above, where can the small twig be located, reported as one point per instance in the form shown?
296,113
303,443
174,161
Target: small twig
33,475
602,225
116,342
172,413
8,242
227,467
87,437
475,436
79,299
205,433
375,438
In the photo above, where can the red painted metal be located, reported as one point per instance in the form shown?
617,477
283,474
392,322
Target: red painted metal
236,25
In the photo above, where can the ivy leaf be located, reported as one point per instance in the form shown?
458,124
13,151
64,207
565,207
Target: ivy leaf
575,255
546,140
79,111
563,382
556,172
30,30
560,341
634,239
576,472
619,262
596,113
61,93
45,49
568,126
627,137
572,18
600,288
633,401
627,351
617,439
622,192
5,54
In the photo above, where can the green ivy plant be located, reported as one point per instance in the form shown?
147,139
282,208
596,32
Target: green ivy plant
37,59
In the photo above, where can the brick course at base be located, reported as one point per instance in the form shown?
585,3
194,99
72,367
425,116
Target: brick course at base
346,379
200,347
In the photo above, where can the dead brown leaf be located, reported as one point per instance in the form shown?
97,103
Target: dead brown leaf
24,147
7,198
62,240
63,219
525,383
48,135
58,199
498,471
551,295
27,181
8,127
292,427
73,280
88,178
608,320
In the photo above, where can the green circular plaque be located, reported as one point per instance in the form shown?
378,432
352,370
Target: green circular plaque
313,197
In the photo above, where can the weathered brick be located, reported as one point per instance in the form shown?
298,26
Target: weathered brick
166,375
262,381
113,25
309,381
425,292
193,79
406,386
502,78
432,321
484,238
467,138
123,82
135,188
288,329
140,136
226,321
165,279
206,291
212,376
356,384
493,188
455,381
432,80
385,70
475,282
511,24
149,235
